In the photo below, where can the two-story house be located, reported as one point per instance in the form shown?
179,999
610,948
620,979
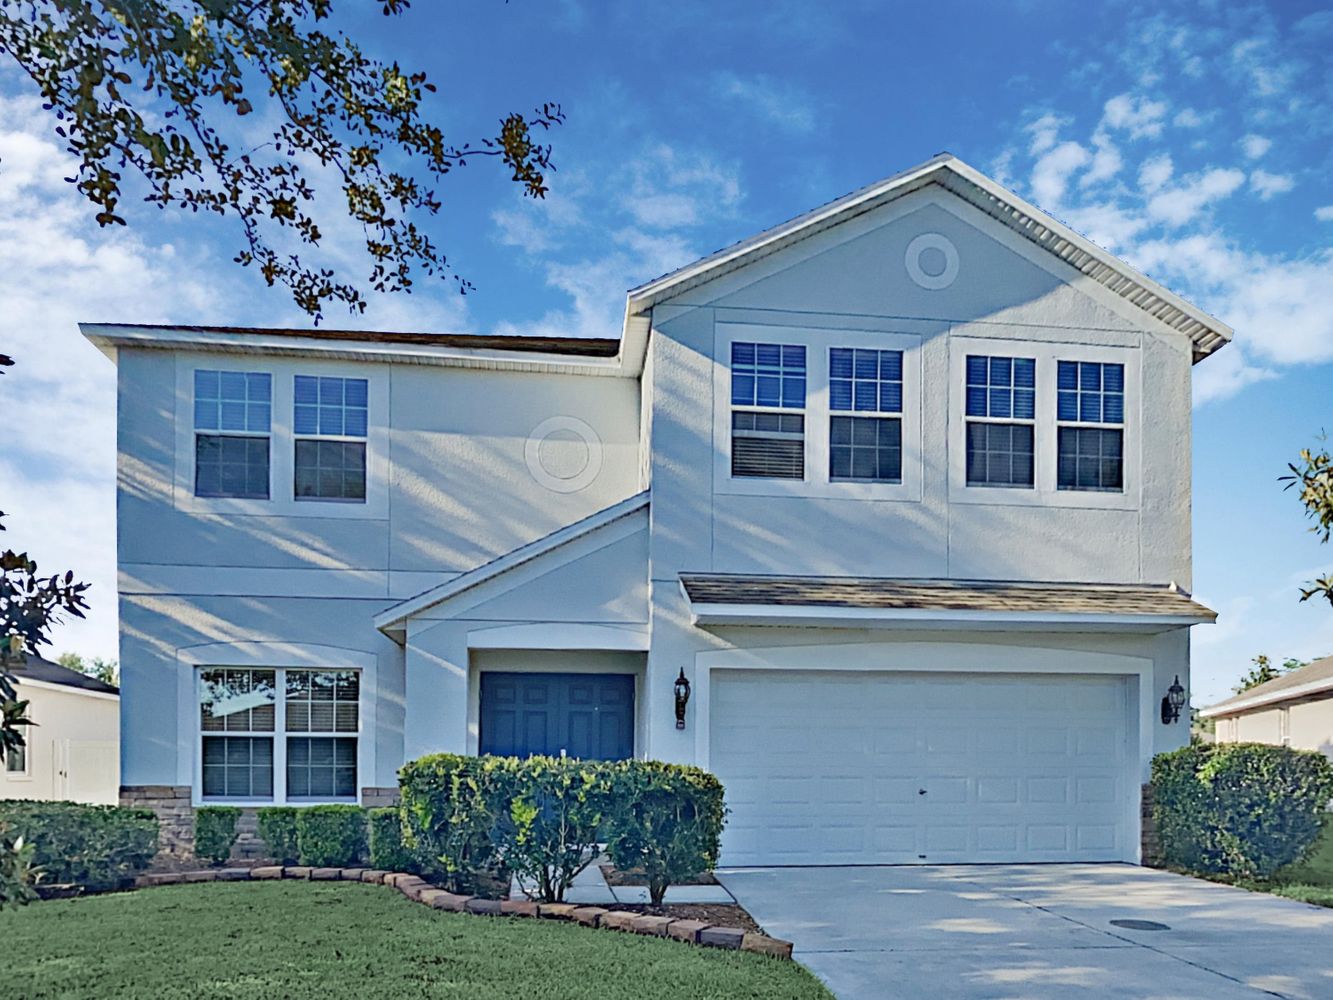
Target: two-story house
900,490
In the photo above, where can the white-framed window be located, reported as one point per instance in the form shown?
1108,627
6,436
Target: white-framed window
768,384
1001,408
865,419
245,443
1090,414
1036,390
817,412
232,420
278,735
18,760
330,421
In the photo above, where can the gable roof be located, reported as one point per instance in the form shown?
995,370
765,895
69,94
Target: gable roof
37,668
1312,680
1207,333
393,618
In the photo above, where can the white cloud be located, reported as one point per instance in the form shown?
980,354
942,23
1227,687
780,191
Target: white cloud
1189,118
1324,213
1106,161
1267,185
670,189
1050,176
1044,131
1255,146
1155,172
1183,202
785,105
1139,116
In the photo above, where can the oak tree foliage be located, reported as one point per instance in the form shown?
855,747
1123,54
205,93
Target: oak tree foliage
224,106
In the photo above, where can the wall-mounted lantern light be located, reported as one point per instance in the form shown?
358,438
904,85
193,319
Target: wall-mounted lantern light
682,698
1172,702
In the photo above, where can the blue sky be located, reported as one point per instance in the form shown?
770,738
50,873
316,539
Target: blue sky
1194,140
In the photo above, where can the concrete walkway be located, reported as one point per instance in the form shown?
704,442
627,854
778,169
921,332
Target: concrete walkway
1039,931
590,888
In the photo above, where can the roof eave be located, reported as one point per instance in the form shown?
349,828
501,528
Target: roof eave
816,615
1243,703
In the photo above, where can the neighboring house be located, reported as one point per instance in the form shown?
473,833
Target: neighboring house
1294,710
72,748
900,488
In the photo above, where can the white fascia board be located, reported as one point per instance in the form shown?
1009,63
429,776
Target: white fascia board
1272,698
107,337
392,619
561,635
824,616
64,688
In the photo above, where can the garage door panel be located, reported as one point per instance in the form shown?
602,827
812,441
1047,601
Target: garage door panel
828,768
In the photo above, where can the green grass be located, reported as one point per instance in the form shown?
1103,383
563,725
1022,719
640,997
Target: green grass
1319,895
341,939
1317,870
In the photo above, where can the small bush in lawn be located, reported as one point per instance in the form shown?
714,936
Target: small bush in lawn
15,870
331,836
87,845
277,829
1239,809
665,819
215,832
386,842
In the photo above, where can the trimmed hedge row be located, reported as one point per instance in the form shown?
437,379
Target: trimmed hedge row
472,822
1239,809
96,846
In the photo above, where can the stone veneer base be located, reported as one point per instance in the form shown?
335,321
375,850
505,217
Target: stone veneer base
418,890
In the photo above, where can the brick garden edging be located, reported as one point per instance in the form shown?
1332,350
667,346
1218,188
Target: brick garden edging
420,891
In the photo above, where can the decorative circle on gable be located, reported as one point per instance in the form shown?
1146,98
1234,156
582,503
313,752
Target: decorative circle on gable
932,261
564,454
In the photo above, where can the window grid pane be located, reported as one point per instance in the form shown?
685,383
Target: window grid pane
232,401
231,466
1091,459
238,767
330,406
323,701
1090,392
865,449
770,375
1000,455
330,470
321,767
865,380
237,700
1001,387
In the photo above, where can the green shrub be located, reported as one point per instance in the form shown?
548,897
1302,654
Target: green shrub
471,821
215,832
1316,868
1239,809
387,851
666,820
277,829
16,873
88,845
331,836
449,814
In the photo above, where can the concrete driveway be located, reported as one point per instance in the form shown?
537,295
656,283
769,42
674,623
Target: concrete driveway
996,931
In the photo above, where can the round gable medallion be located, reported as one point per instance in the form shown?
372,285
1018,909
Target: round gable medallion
932,261
564,454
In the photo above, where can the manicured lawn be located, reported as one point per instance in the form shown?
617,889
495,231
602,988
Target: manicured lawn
340,939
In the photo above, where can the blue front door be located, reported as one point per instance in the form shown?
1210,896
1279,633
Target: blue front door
580,715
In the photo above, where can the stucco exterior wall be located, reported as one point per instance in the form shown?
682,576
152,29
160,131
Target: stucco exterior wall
74,733
1311,726
1259,727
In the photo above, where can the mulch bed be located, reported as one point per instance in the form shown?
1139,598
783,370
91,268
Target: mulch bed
635,876
721,914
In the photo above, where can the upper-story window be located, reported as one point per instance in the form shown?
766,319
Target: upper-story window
232,413
1001,396
865,420
768,410
329,423
1090,416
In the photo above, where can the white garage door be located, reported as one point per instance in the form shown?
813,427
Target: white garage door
824,768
